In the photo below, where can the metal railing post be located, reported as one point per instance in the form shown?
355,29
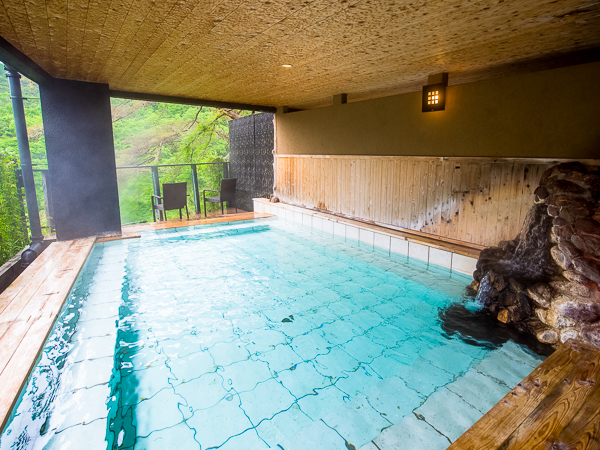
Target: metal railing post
156,184
195,188
225,170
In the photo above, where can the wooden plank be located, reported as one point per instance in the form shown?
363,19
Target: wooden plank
583,431
492,217
18,356
446,202
516,200
38,19
391,183
8,30
76,22
19,18
542,389
470,221
118,238
27,310
348,187
176,223
376,189
462,201
414,195
455,199
353,185
429,203
502,228
364,191
396,183
556,410
57,26
422,205
32,276
96,17
482,199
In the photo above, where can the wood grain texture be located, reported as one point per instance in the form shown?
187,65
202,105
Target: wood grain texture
556,407
232,50
480,201
132,230
31,305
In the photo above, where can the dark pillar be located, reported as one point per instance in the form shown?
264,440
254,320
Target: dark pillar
14,81
81,158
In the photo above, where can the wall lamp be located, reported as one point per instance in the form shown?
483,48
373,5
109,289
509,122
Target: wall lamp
434,94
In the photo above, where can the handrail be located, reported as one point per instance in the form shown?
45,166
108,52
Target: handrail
156,181
170,165
149,166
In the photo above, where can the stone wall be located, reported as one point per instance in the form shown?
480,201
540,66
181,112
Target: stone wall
547,280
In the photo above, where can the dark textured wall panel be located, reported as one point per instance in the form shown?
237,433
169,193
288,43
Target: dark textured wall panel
251,157
81,158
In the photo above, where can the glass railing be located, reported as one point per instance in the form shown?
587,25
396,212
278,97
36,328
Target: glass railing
137,184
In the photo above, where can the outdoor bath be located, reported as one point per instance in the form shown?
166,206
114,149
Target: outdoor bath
263,334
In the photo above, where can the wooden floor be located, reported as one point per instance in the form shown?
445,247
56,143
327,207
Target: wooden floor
28,310
197,220
557,407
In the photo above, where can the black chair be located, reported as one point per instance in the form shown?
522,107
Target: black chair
174,197
226,194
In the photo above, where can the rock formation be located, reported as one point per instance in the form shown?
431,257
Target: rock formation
547,280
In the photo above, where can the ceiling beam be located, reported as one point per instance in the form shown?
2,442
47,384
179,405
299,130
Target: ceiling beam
189,101
22,63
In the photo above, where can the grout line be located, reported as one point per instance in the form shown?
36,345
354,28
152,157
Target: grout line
421,417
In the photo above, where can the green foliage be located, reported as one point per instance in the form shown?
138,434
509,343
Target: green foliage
33,116
148,133
13,231
145,133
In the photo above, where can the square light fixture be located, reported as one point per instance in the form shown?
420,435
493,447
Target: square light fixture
434,94
434,97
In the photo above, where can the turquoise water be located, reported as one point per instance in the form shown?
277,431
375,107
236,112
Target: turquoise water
261,335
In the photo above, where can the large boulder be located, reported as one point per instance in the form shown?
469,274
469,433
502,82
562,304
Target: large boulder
549,275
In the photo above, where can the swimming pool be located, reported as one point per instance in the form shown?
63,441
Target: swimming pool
262,334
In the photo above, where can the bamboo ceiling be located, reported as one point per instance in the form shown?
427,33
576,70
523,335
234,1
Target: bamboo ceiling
233,50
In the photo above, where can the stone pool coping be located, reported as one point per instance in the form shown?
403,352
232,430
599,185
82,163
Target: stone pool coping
455,257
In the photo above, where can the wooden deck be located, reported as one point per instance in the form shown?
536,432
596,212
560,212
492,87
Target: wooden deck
557,407
176,223
28,310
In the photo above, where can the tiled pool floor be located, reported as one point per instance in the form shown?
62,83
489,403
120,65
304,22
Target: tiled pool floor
259,336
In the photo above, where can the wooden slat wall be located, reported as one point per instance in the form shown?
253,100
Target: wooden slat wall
476,200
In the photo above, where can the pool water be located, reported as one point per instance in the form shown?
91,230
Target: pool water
257,335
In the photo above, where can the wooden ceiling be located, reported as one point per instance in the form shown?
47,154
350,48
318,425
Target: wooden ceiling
233,50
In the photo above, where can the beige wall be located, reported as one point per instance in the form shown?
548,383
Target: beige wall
547,114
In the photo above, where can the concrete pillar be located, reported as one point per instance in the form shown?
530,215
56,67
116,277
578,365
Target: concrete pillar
81,158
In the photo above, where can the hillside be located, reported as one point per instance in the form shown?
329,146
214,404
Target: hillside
145,133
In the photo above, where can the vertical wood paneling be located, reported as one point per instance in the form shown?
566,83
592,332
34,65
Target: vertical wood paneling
480,201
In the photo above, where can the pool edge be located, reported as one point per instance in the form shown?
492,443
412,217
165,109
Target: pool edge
31,309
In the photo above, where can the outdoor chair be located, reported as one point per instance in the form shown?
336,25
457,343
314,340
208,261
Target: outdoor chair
174,197
226,194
